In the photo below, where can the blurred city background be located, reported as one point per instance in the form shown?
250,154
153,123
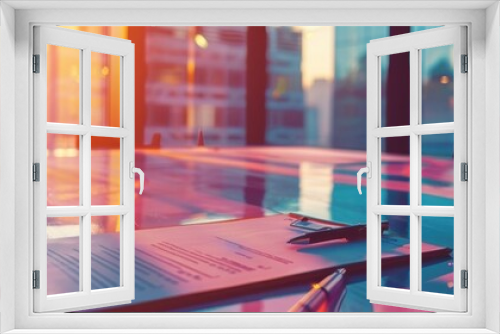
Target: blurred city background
195,78
239,122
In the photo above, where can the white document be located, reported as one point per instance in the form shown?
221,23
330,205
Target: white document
186,265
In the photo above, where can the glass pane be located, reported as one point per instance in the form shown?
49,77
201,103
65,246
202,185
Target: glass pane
105,252
105,171
395,92
437,84
395,171
63,84
396,272
105,89
63,169
437,169
437,271
63,255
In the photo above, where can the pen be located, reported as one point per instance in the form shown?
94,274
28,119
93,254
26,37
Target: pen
332,234
348,232
324,296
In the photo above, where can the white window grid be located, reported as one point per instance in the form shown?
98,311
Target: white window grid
414,43
86,297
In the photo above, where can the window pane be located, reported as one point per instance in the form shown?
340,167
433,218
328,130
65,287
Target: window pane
105,89
395,171
437,275
395,94
437,169
105,171
63,169
105,252
63,84
437,84
396,274
63,255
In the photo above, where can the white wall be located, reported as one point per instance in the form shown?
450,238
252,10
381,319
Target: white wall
492,163
7,157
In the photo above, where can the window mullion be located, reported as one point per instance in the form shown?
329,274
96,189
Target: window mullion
81,186
414,173
85,172
434,128
67,129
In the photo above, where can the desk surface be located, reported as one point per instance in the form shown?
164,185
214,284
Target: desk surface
199,185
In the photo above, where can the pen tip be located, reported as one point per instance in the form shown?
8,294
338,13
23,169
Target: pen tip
303,241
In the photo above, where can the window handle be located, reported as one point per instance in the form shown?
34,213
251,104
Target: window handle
139,171
368,171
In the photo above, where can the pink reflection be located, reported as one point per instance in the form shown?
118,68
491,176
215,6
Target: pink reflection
63,159
386,308
405,249
206,156
448,279
105,171
193,185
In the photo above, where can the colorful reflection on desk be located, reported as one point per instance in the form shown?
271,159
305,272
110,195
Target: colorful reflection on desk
201,185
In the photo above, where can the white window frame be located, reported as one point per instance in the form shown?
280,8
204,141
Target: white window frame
16,126
86,44
414,43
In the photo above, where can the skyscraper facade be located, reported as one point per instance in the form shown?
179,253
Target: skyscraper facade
349,97
285,95
196,82
349,100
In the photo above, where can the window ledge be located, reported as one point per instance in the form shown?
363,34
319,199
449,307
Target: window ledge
250,331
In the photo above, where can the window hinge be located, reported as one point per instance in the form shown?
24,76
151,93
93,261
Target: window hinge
465,279
465,64
464,171
36,279
36,63
36,172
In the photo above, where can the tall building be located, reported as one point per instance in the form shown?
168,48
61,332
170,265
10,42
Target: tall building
318,115
285,95
349,101
196,81
193,79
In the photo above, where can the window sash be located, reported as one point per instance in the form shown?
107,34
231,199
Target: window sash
86,297
414,43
